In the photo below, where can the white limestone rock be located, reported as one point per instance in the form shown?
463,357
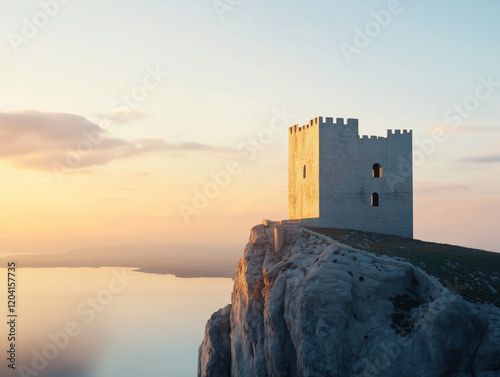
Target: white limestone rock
214,358
320,308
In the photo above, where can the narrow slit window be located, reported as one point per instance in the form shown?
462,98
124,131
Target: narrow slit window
377,170
304,172
375,199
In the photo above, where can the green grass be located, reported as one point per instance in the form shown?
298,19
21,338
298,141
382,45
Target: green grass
472,273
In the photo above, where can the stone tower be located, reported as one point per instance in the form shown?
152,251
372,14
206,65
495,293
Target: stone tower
337,179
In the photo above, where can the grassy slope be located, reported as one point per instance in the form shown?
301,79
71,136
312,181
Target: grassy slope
474,274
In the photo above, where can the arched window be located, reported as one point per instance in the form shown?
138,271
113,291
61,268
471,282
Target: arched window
374,199
377,170
304,172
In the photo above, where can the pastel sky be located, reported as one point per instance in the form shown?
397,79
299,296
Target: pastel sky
113,113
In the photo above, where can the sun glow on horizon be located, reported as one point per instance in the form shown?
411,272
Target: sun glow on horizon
117,115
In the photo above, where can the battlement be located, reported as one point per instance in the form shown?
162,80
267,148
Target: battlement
338,122
398,132
351,123
338,178
318,121
390,133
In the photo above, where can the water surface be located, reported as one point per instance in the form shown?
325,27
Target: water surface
112,322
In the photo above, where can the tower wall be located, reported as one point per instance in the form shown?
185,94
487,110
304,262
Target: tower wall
303,149
345,181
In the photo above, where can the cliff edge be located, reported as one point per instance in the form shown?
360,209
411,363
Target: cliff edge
338,305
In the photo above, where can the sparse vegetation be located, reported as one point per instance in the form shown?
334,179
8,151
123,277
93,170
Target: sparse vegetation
289,266
472,273
402,320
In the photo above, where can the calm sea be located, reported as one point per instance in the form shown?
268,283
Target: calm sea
108,322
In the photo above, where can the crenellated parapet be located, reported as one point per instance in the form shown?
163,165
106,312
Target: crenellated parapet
339,179
390,133
350,124
320,121
338,122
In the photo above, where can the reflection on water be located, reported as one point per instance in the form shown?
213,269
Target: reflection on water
111,321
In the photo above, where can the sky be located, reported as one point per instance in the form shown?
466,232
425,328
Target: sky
125,122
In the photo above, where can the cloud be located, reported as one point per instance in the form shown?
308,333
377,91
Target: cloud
492,144
47,141
112,200
485,159
124,117
448,128
421,187
142,174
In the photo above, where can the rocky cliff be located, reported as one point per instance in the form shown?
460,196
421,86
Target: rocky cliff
322,306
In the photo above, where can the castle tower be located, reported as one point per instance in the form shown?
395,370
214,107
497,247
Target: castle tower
337,179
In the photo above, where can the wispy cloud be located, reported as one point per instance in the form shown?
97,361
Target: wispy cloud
37,140
423,187
124,117
484,159
112,200
492,144
448,128
142,174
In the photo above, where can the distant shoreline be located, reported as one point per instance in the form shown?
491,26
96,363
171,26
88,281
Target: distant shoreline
185,264
182,275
